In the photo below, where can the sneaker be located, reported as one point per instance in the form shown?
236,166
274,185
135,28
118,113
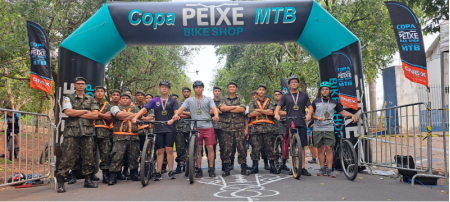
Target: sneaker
199,173
330,173
313,161
171,175
322,172
305,172
211,172
158,176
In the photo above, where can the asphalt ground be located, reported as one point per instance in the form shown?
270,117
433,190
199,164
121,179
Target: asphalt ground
260,187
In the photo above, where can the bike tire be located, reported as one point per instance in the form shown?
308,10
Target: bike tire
192,158
349,160
278,149
296,156
10,149
44,154
146,162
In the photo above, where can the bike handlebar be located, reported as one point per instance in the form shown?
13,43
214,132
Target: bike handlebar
195,120
152,122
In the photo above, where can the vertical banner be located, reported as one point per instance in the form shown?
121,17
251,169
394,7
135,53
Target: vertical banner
284,85
343,68
41,75
410,42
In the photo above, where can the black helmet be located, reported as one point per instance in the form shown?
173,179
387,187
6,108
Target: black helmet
293,77
165,82
198,83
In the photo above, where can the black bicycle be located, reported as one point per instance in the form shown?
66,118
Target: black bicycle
148,163
193,154
10,145
347,152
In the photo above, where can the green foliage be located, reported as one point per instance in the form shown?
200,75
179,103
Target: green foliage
432,12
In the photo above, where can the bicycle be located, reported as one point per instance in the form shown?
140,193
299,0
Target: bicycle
291,144
10,145
193,154
148,163
347,153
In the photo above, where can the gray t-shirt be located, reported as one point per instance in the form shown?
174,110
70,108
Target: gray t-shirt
330,106
205,106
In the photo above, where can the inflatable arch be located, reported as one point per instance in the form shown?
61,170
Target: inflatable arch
119,24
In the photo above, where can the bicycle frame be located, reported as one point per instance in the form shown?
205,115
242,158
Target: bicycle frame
287,138
196,133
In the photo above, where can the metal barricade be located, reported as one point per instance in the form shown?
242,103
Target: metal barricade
391,136
32,160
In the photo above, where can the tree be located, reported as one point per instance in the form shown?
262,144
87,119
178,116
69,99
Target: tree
433,11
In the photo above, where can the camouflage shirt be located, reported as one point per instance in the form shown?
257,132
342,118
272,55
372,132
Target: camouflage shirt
217,124
183,127
102,132
233,121
76,126
279,128
258,128
124,124
149,113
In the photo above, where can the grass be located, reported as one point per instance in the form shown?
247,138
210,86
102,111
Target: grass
2,161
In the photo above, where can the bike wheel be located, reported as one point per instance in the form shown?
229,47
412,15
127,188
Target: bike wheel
192,159
44,154
349,160
10,149
278,151
146,162
296,156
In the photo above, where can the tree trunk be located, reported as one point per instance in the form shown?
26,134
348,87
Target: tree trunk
373,101
302,85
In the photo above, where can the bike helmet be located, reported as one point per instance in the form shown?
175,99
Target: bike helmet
165,82
293,77
325,84
198,83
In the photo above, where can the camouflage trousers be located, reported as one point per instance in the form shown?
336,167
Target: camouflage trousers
262,143
122,149
227,140
104,148
74,147
181,142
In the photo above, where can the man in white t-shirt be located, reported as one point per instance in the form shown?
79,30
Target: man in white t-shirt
200,107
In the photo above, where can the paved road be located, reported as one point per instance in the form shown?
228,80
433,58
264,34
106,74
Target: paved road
263,186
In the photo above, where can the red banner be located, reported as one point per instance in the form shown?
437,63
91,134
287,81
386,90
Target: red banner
415,74
348,101
41,84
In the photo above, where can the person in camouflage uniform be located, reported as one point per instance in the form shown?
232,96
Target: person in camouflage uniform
233,108
78,134
143,130
261,127
102,133
183,130
126,140
217,91
115,101
279,128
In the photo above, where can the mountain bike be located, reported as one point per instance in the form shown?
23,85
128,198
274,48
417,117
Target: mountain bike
347,153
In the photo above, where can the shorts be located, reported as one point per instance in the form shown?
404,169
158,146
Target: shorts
323,138
165,140
302,132
207,134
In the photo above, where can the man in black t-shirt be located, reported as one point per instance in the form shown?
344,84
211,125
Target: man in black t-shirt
295,102
15,128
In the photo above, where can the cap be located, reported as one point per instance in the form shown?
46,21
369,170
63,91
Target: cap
276,90
262,85
116,91
125,94
98,87
217,87
254,92
80,78
139,91
173,95
148,94
232,83
186,88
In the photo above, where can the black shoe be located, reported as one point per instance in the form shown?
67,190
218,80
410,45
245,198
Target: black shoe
305,172
134,175
72,177
2,156
199,173
244,170
231,165
94,177
211,172
126,173
226,172
171,175
88,182
313,161
290,172
112,178
61,188
283,166
254,169
178,169
158,176
272,168
223,166
120,176
266,165
163,170
105,175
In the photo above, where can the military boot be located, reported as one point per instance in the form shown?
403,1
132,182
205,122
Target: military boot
244,170
232,164
120,176
272,168
178,169
284,167
266,164
254,169
223,166
112,178
88,182
61,188
105,174
125,171
72,177
226,172
94,177
134,175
